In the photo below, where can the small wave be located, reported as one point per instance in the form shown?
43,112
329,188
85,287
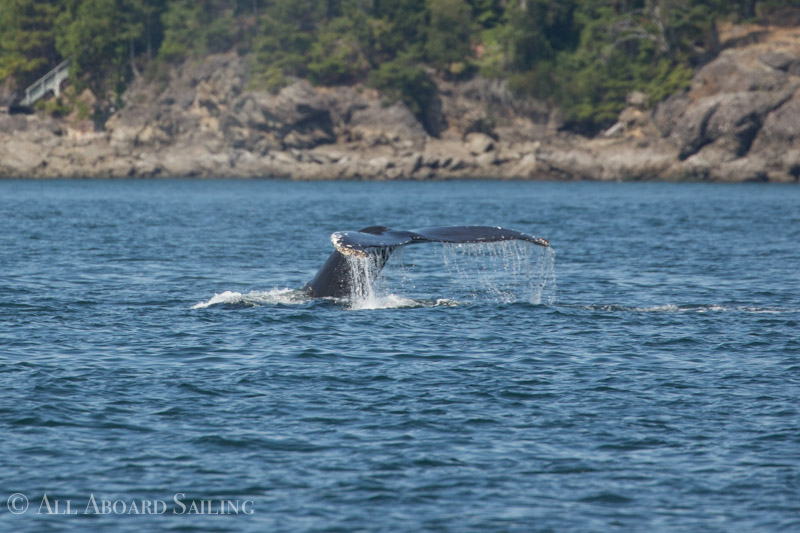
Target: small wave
671,308
744,309
393,301
668,308
255,298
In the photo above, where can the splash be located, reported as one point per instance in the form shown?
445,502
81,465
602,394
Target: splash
388,301
362,271
508,271
254,298
367,290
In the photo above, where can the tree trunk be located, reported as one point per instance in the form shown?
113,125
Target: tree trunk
133,61
149,39
749,9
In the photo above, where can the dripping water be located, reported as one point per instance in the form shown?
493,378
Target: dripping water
363,273
507,271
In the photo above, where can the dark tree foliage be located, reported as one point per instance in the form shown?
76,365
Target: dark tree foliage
104,39
537,30
27,38
449,34
583,56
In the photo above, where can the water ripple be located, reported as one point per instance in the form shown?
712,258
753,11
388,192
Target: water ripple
154,340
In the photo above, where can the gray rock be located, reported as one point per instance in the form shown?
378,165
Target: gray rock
432,161
457,164
728,74
478,143
636,99
265,144
781,128
778,59
526,167
21,157
392,125
570,162
298,115
487,159
150,135
10,124
405,167
343,102
379,164
739,117
689,133
669,112
746,169
733,119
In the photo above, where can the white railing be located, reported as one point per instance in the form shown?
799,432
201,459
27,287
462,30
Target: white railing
49,82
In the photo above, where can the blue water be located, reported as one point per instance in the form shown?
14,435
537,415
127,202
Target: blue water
152,349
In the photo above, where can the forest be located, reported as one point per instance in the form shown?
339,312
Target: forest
583,56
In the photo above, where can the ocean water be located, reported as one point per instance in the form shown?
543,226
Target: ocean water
160,371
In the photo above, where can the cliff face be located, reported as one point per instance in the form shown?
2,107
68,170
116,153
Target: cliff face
205,122
738,121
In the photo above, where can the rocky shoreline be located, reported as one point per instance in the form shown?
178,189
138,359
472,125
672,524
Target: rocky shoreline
739,121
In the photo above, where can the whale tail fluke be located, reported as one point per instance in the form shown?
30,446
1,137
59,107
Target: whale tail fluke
376,243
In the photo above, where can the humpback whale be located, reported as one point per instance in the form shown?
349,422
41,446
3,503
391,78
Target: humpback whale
375,244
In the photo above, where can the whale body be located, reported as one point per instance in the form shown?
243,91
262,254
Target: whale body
376,243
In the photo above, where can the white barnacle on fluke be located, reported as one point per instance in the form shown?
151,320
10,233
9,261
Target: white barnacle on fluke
345,248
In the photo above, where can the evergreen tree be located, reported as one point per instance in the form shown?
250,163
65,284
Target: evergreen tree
27,39
287,31
336,55
449,34
197,27
537,29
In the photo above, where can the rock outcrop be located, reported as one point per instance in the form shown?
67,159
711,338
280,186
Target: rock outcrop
735,118
739,121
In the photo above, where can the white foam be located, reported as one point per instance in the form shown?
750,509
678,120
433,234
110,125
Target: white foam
769,311
275,296
668,308
389,301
